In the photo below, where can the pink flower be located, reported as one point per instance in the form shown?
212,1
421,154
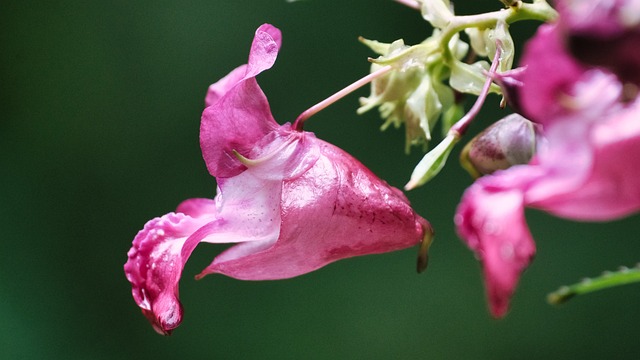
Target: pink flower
583,169
294,203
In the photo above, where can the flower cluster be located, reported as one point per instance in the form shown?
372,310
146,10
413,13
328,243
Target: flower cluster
292,202
587,110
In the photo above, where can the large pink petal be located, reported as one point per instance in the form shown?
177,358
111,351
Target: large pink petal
550,73
237,121
491,222
335,210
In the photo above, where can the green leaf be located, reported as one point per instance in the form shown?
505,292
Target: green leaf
605,281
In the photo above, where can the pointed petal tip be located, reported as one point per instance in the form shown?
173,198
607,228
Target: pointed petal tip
499,308
161,326
412,184
202,274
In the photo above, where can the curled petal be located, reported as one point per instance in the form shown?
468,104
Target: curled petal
264,49
572,159
155,264
262,56
492,224
160,250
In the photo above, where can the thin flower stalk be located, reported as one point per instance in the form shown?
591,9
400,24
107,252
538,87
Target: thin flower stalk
298,124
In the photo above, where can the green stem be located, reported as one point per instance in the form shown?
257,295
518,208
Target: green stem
607,280
538,10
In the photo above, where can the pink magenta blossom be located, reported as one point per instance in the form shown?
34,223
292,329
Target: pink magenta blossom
583,169
292,202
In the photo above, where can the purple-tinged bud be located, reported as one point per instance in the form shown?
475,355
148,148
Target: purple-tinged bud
510,141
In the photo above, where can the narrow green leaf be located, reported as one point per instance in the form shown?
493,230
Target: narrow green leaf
607,280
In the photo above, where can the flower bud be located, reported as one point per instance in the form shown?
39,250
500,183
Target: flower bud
510,141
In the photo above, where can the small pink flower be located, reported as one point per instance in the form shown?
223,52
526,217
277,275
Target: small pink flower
292,202
583,169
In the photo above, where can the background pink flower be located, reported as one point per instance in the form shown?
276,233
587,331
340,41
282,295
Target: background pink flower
583,169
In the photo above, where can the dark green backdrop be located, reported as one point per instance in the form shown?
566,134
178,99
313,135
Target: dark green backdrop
99,118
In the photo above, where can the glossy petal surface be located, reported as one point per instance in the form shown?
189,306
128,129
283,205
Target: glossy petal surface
334,210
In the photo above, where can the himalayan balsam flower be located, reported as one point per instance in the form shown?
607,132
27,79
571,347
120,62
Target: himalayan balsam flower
584,170
294,203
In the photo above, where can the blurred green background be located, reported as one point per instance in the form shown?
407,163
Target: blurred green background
99,117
